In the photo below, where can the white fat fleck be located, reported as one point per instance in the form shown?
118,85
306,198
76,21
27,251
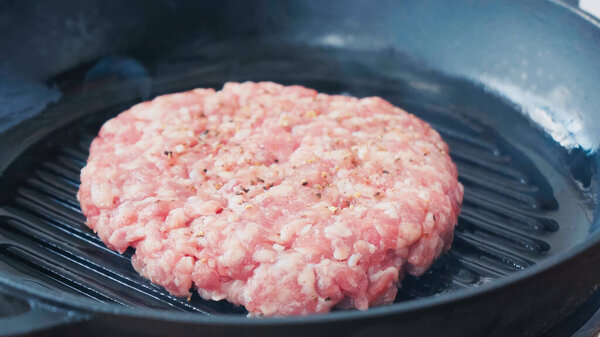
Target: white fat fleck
341,253
424,194
306,229
264,255
343,173
359,134
234,251
394,135
281,189
226,175
345,187
248,232
140,125
284,120
339,155
379,228
365,189
134,189
306,278
184,111
391,212
404,182
382,156
235,203
338,229
363,152
360,210
278,247
165,192
131,165
243,134
336,114
377,275
340,132
120,149
102,194
320,205
389,208
218,297
179,148
259,198
151,245
288,231
353,260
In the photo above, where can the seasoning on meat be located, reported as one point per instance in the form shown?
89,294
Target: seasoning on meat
278,198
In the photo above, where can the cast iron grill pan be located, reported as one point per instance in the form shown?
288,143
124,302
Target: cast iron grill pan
507,222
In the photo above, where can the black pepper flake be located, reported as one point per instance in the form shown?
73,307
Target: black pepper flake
205,132
260,180
377,194
169,154
241,190
319,195
276,160
386,171
205,170
347,203
304,182
434,217
327,299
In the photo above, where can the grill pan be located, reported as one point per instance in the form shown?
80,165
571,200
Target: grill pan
526,249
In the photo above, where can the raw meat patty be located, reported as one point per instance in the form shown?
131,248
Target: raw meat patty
278,198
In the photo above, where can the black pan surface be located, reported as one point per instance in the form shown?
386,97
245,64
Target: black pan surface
524,253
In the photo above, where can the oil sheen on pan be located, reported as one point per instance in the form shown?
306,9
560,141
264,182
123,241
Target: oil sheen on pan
278,198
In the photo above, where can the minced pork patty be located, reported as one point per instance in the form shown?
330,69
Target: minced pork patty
278,198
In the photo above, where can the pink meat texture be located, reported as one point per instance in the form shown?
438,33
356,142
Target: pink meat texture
278,198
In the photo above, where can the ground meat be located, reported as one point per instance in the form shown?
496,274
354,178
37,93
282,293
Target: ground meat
278,198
